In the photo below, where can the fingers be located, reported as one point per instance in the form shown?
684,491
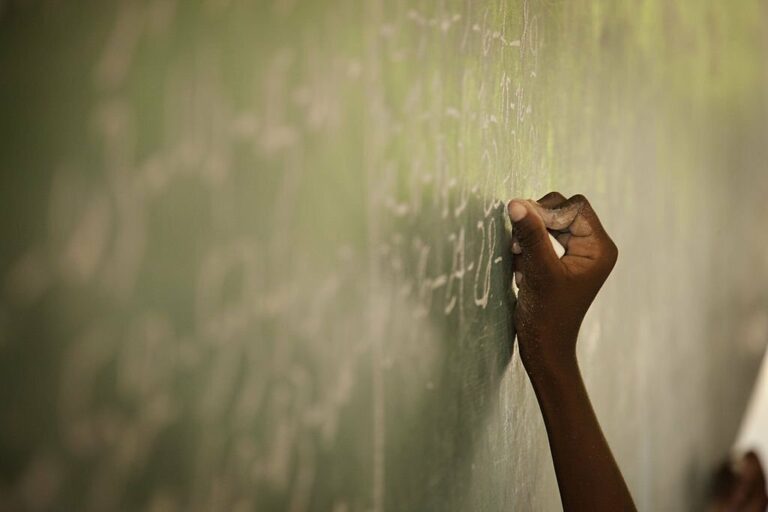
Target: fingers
559,218
581,246
564,239
549,201
572,222
586,222
552,200
531,236
575,225
574,215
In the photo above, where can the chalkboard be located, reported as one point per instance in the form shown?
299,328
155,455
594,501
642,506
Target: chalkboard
255,254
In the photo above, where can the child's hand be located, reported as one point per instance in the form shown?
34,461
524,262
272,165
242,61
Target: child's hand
554,294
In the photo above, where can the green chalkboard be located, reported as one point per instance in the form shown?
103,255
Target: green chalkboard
255,256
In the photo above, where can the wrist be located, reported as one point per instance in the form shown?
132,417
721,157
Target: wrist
558,388
555,369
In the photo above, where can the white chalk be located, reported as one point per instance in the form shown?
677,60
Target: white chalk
559,249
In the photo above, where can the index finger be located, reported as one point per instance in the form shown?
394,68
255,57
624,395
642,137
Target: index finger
574,216
552,200
559,218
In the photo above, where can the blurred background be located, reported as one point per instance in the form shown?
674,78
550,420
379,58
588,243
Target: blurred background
254,256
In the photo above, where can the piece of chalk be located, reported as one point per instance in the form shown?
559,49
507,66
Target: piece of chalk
559,249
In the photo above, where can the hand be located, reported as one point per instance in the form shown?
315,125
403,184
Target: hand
554,294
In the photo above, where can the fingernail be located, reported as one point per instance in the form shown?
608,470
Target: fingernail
517,211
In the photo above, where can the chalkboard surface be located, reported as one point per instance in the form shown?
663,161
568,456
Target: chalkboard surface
254,253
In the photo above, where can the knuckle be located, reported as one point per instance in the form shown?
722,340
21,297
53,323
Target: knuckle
611,253
581,200
578,198
554,195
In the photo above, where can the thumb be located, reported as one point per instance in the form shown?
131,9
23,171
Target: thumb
531,233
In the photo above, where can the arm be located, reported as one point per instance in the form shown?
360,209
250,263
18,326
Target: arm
554,295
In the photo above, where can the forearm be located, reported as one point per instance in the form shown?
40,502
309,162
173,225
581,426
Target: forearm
587,474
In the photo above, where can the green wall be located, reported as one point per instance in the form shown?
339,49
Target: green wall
254,256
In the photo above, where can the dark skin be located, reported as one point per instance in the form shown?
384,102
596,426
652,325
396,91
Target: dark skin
554,295
740,487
